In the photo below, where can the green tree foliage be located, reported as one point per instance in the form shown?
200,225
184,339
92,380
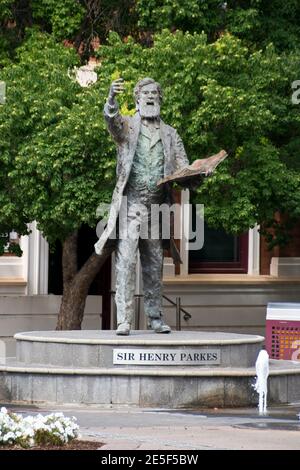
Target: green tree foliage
186,15
59,159
54,132
218,95
77,21
60,18
221,91
259,22
222,95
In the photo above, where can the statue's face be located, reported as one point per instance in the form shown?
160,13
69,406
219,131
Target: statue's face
149,101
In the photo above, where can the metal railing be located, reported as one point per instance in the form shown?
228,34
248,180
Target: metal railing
179,309
177,304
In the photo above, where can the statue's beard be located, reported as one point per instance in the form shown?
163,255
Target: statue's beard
150,111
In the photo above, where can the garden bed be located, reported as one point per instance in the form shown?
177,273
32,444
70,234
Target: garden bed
73,445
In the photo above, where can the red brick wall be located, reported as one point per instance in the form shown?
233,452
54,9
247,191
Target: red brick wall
290,250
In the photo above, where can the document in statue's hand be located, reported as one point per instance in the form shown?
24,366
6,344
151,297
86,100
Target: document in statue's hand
204,166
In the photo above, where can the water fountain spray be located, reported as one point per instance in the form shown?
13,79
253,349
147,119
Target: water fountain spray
261,385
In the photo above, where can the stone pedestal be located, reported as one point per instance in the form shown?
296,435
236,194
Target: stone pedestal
183,369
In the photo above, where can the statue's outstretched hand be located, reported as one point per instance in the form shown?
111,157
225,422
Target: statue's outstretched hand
116,88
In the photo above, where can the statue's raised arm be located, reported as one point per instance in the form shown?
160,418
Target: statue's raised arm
115,122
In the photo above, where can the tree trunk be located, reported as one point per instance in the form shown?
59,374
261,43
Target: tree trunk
76,283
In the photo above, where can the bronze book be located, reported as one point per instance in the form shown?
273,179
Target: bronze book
204,166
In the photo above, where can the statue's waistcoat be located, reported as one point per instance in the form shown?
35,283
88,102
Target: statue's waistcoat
148,162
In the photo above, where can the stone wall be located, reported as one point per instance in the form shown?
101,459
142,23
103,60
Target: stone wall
38,312
238,307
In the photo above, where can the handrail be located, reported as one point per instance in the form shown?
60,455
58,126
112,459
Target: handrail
176,304
186,315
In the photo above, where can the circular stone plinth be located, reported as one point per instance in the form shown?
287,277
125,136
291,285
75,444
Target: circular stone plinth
91,348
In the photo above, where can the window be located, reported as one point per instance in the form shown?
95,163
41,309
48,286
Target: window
221,252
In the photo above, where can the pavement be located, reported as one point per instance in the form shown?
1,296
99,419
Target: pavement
130,428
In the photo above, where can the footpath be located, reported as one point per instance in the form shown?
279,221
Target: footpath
129,428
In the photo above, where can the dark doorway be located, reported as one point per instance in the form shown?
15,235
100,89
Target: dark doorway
102,282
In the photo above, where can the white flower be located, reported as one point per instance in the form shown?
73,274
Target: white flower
8,436
16,428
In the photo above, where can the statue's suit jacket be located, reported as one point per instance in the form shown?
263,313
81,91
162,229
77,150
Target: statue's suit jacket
125,131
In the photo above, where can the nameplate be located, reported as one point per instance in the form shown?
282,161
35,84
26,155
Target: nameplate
167,357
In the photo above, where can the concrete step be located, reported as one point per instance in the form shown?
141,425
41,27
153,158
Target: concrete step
169,387
90,348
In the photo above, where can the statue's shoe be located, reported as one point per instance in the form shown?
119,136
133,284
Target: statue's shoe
158,325
123,329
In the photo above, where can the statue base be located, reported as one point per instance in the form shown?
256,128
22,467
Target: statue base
182,369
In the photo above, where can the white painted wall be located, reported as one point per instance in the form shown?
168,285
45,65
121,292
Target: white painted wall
31,267
35,261
39,312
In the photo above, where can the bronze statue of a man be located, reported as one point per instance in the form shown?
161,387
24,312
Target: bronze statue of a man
148,150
